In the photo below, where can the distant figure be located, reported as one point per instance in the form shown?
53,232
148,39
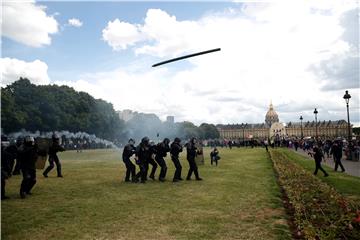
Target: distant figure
336,151
142,154
190,155
296,145
266,144
161,151
128,151
318,156
53,149
175,149
28,154
214,156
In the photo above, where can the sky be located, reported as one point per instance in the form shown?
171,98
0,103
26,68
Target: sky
299,55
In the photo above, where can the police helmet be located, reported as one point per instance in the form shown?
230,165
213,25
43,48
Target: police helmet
145,140
177,140
29,139
55,136
4,141
166,141
131,141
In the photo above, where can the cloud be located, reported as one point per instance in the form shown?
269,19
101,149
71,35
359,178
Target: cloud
341,70
119,35
27,23
75,22
269,51
12,69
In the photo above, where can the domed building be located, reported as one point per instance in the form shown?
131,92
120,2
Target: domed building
245,131
271,116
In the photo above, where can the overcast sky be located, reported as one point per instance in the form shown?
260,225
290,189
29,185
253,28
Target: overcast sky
297,54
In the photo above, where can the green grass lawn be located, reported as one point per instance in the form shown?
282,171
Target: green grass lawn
239,199
345,184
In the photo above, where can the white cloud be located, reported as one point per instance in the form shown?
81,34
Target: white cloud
268,50
121,34
75,22
12,69
27,23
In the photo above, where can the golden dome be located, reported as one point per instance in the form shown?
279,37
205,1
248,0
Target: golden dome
271,116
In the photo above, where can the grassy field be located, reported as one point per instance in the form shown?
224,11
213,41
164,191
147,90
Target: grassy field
345,184
239,199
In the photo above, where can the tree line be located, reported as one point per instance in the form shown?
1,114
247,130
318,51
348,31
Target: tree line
55,108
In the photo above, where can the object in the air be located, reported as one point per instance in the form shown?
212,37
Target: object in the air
186,56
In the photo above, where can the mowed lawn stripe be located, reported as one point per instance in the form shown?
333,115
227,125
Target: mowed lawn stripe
239,199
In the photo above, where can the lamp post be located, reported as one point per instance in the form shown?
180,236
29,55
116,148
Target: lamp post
316,132
243,135
347,98
301,118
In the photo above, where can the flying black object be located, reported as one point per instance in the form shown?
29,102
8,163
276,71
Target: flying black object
186,56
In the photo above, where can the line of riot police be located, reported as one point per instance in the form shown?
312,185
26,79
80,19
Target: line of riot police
25,153
148,153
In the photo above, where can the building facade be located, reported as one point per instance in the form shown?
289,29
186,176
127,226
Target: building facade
272,126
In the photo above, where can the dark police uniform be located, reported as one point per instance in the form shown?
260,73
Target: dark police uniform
151,161
175,149
142,154
190,156
129,150
336,151
53,149
318,155
6,159
161,151
28,154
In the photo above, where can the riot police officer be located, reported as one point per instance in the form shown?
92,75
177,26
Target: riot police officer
161,151
53,149
28,154
142,154
129,150
19,143
190,156
175,149
6,160
151,161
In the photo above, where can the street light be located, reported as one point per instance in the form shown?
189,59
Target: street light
316,132
347,98
301,118
243,135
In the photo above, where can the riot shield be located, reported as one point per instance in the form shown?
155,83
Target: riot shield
199,159
43,145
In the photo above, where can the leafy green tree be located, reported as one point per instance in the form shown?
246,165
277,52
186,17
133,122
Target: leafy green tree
51,107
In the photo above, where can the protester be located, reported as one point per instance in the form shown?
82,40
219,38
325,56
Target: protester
214,156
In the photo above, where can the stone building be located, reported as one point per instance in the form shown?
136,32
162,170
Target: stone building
272,127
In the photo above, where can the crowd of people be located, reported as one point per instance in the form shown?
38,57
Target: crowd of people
21,157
